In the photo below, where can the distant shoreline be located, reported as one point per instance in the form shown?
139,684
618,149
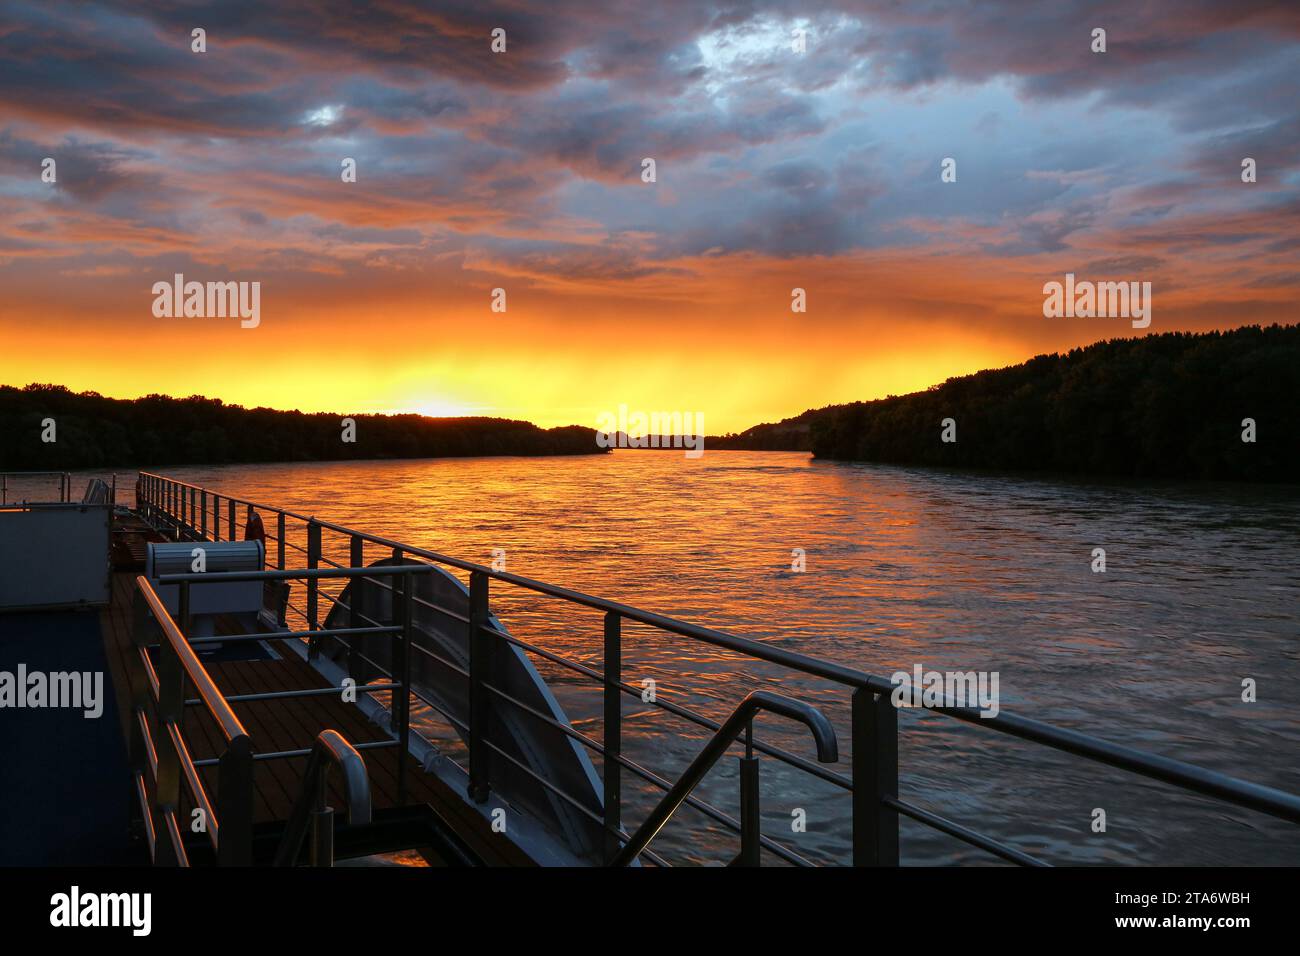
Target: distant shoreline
1190,406
49,427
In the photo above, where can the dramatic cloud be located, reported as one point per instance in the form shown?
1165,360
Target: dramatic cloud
775,168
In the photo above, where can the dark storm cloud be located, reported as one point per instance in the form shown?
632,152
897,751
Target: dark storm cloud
759,149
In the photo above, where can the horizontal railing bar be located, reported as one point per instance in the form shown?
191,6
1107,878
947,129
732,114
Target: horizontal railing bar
1188,776
454,668
290,694
242,638
289,754
27,505
962,833
292,635
308,574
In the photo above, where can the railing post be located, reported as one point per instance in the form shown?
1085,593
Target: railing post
235,803
479,711
279,540
184,618
203,514
875,776
750,821
356,559
230,518
216,517
402,675
398,595
613,743
313,587
322,827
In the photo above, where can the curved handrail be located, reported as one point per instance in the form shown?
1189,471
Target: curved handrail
822,731
330,748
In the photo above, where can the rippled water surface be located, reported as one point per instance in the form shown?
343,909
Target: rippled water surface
904,566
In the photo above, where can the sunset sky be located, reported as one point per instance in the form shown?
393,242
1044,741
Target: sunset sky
522,170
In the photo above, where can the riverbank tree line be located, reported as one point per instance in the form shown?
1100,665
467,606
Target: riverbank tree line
91,431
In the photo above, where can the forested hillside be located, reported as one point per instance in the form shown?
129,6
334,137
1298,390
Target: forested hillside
92,431
1168,405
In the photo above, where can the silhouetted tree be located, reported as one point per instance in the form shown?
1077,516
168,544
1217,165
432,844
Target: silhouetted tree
1166,405
93,431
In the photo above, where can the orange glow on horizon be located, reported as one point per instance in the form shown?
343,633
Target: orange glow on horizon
713,339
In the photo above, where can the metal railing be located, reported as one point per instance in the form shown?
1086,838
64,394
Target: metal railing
184,510
160,755
398,688
65,483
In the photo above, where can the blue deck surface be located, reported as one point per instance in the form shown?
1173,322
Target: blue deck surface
64,779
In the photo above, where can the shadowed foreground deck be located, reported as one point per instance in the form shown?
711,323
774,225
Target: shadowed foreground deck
293,724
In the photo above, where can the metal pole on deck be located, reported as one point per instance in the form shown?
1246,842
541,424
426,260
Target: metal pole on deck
613,776
313,588
875,776
408,604
479,712
751,833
